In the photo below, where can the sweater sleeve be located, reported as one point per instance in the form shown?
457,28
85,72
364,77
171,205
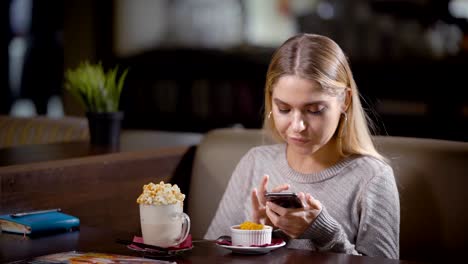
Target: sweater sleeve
231,207
379,226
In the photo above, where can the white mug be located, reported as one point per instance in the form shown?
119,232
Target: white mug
164,225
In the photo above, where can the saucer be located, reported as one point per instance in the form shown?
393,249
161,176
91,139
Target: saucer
252,250
183,247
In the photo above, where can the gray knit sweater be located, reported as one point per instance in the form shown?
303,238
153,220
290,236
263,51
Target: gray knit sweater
360,204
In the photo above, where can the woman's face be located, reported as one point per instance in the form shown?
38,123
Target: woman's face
304,116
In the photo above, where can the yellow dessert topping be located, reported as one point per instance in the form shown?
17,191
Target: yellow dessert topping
250,226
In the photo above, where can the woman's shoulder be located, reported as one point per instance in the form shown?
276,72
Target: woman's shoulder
371,166
377,176
260,156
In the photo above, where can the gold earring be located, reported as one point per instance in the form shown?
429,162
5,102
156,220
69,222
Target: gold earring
269,115
343,125
345,116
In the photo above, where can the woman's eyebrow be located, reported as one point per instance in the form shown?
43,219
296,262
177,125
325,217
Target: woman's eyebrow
278,101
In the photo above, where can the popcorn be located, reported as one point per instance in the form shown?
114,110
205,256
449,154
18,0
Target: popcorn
160,194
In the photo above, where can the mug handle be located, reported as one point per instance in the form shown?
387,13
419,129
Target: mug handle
185,228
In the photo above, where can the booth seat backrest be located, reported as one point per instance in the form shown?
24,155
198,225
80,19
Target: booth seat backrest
432,177
215,159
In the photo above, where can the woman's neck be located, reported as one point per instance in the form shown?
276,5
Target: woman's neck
319,160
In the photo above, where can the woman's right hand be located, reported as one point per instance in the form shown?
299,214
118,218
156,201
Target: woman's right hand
259,202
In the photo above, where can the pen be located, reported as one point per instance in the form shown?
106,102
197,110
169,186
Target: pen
35,212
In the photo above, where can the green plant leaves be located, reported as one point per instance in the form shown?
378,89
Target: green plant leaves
97,90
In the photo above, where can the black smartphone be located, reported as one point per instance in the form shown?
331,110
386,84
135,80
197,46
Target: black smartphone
284,199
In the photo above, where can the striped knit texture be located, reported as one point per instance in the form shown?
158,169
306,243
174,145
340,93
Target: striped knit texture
361,208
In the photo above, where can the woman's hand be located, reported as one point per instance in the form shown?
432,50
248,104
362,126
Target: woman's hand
293,222
259,202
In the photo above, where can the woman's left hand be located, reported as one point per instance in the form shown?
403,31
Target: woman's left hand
293,222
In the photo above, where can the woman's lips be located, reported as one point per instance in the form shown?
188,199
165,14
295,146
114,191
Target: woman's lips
299,140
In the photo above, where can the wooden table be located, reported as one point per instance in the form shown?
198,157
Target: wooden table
14,247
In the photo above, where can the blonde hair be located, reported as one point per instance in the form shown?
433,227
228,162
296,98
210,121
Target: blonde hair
320,59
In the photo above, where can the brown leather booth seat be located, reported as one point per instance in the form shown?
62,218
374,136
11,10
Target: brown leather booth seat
101,190
432,177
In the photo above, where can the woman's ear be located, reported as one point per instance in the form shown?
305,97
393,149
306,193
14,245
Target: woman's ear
347,99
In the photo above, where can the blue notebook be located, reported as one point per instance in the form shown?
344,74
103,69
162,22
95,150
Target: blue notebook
39,223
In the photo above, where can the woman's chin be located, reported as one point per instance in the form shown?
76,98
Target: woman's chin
303,149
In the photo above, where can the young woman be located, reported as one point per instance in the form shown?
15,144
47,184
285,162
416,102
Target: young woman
325,154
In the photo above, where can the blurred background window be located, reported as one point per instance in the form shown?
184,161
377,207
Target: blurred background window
196,65
35,57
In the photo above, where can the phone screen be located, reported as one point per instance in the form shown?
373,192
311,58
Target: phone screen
284,199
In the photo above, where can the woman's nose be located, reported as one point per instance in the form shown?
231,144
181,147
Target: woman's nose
298,124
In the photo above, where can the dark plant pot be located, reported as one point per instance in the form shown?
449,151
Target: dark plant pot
104,129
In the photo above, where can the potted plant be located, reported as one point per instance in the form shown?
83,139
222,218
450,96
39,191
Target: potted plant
99,92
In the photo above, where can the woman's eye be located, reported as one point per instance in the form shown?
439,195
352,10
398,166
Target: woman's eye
283,111
317,110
